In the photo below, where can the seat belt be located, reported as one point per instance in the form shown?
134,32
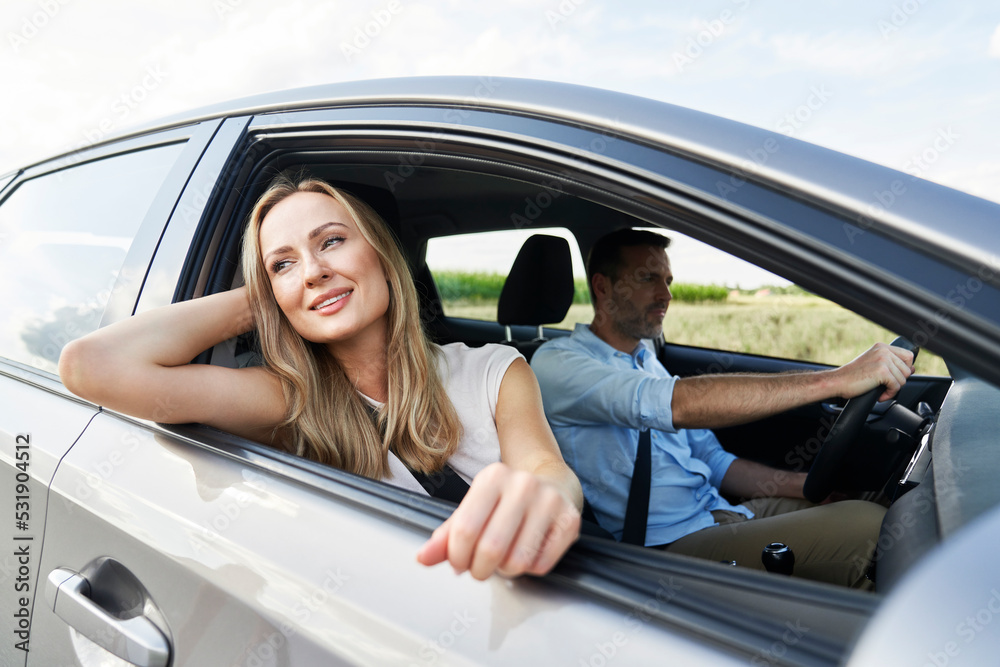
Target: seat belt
446,484
637,507
659,343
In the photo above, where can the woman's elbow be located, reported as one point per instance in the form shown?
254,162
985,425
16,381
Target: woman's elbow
78,368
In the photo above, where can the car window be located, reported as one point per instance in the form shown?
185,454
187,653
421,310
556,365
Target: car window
469,271
63,240
720,301
725,303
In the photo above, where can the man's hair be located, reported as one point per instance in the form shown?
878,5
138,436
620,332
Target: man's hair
605,255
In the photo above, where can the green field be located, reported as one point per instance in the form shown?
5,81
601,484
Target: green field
479,288
791,326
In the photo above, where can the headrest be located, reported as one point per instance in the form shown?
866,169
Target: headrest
377,197
539,289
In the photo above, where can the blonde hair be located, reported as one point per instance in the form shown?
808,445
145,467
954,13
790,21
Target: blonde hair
327,419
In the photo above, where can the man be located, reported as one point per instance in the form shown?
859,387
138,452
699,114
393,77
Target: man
603,385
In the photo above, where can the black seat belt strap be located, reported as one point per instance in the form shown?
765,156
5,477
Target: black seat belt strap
445,484
658,344
637,508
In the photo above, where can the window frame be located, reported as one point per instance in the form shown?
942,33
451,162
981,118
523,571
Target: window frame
615,574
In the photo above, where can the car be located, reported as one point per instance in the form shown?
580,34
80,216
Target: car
128,541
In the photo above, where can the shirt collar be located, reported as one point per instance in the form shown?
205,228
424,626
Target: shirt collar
602,350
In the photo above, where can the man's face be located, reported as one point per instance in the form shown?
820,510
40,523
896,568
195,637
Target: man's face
640,295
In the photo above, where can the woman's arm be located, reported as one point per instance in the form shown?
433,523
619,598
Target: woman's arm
140,366
520,516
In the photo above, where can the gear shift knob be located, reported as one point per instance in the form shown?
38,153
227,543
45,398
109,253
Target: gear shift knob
777,557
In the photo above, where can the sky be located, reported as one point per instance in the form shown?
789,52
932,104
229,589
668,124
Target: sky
910,84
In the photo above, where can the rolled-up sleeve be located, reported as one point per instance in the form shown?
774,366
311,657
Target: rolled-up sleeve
582,390
596,399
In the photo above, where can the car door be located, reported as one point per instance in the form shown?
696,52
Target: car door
75,237
39,424
190,546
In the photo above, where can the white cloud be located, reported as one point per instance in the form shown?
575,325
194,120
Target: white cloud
856,53
994,48
69,77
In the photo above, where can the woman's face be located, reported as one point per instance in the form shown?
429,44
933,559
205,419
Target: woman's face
326,278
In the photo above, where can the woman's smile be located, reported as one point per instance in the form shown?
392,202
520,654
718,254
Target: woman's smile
328,305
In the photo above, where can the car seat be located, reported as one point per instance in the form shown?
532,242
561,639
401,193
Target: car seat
538,290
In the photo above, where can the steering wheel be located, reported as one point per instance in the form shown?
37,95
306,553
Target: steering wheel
839,444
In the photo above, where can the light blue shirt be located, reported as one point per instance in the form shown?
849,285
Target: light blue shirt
597,399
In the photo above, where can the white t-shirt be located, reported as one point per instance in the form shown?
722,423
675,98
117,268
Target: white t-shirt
472,377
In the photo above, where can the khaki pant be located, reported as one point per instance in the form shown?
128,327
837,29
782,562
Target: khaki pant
832,543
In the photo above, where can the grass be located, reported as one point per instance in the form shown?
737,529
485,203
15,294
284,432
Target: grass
684,293
469,288
791,326
480,288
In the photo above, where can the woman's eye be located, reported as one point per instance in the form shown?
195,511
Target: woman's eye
329,241
279,265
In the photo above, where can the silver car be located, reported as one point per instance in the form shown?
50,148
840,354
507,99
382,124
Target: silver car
125,541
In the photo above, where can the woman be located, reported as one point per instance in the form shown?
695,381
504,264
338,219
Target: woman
336,310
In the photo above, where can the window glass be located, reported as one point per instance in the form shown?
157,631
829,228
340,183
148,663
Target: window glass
720,301
469,271
724,303
63,240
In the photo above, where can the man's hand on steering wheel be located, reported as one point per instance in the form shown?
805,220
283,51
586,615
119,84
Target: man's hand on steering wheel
882,365
876,375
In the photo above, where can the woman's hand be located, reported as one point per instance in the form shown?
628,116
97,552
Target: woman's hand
519,516
511,522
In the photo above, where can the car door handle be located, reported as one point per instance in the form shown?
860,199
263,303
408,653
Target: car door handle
134,639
